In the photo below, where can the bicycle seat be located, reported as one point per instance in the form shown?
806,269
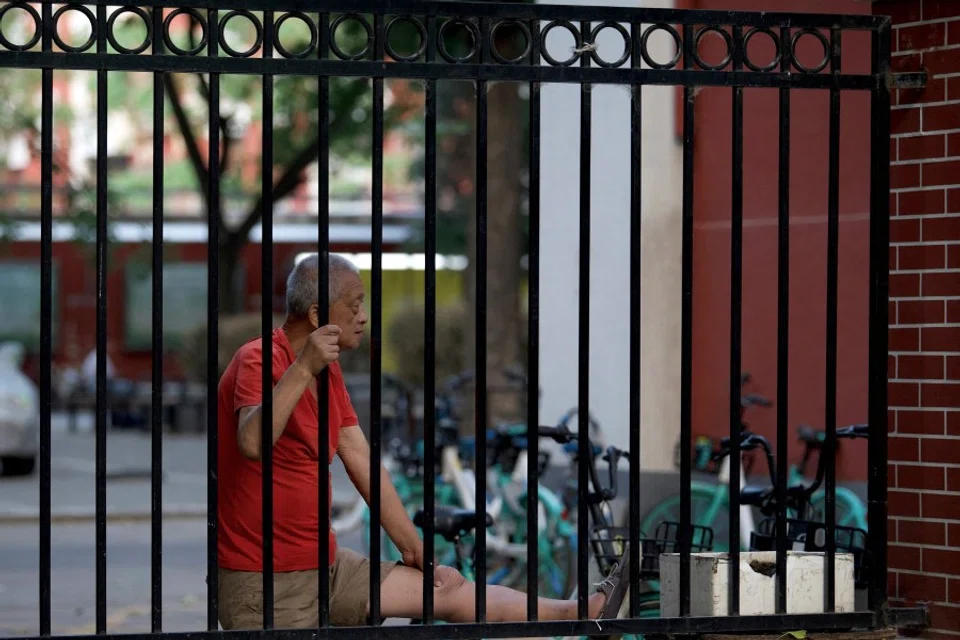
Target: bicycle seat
810,437
450,522
754,495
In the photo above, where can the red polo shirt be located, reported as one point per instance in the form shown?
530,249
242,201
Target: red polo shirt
295,466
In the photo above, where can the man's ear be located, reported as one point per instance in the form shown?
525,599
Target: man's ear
314,316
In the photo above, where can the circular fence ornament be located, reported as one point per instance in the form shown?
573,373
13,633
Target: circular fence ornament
645,49
167,40
257,27
472,31
746,51
91,40
627,44
148,36
37,29
421,33
337,23
718,32
527,41
283,51
815,33
577,43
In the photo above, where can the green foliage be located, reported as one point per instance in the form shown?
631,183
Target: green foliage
233,332
406,336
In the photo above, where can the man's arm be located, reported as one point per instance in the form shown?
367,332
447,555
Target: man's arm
286,395
354,451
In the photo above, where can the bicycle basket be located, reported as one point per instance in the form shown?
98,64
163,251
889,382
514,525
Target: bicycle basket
667,540
608,546
809,535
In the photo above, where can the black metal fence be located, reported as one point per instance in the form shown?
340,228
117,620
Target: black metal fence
483,63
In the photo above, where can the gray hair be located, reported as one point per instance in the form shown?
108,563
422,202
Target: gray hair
302,283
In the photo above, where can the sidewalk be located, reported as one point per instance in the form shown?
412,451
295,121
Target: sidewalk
73,477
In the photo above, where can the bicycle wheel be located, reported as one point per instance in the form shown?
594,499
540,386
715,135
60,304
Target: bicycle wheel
850,510
557,567
702,498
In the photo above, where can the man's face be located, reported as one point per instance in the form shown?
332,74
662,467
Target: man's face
348,312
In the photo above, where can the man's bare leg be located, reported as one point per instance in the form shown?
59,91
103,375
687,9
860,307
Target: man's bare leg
401,596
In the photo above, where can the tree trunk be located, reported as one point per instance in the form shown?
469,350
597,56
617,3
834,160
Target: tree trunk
503,334
230,299
503,247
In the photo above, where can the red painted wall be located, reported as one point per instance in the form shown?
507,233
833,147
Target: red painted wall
808,241
76,295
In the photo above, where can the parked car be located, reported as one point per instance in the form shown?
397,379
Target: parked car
19,414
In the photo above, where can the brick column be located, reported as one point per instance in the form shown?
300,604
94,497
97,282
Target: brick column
924,361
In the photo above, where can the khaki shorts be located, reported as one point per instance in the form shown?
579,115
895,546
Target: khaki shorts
296,595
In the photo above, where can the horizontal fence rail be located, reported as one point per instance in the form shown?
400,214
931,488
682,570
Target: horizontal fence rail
482,60
458,41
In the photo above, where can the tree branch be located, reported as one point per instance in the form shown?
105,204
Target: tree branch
193,149
224,119
291,178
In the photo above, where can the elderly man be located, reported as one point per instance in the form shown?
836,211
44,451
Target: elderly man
301,349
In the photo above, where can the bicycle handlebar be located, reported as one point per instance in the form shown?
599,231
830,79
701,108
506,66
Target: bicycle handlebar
749,441
754,399
851,431
612,455
854,431
568,416
560,434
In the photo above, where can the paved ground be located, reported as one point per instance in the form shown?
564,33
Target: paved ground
128,577
73,479
128,534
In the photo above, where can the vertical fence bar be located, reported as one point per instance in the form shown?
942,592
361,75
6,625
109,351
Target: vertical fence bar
323,282
879,299
533,330
376,305
583,341
736,325
636,244
686,323
46,316
102,396
783,322
480,551
266,306
830,405
429,326
156,377
213,329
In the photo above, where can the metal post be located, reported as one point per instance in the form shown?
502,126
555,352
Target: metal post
266,308
833,259
879,322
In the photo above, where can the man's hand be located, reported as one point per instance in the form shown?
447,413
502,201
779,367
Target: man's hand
414,558
321,349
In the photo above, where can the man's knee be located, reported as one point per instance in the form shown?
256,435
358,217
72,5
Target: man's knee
453,599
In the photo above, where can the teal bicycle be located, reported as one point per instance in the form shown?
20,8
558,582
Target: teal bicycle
607,540
506,501
710,505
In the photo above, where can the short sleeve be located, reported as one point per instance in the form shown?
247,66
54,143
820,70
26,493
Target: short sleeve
347,412
248,391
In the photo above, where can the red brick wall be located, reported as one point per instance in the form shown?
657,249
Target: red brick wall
924,360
